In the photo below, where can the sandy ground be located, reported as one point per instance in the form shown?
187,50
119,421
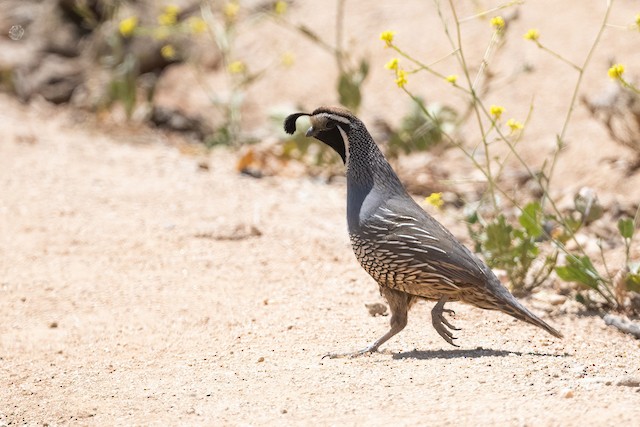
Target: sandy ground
135,290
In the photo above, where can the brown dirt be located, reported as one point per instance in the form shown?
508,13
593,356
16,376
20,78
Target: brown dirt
138,288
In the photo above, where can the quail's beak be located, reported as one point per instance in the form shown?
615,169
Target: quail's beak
311,132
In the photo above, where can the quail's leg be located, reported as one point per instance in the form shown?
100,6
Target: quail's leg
399,304
439,321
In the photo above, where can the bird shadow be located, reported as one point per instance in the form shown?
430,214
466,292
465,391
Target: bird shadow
471,354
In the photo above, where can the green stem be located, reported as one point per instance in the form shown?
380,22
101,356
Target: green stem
602,258
422,66
574,97
485,59
489,11
629,86
516,141
476,100
558,56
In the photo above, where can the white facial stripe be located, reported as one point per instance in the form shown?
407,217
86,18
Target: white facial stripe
336,118
345,140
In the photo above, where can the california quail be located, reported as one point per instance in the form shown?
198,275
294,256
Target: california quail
409,253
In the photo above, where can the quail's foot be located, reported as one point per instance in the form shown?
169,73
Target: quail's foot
440,323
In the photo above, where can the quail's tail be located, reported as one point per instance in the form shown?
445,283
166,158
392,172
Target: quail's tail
520,312
508,304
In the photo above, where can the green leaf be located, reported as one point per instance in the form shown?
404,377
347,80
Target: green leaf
633,282
531,219
573,223
626,228
364,69
473,217
349,91
580,270
499,235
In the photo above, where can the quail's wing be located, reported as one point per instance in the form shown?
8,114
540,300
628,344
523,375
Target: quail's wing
420,243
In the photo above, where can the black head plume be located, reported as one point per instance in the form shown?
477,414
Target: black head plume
290,122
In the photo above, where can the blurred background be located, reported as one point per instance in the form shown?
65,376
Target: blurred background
225,74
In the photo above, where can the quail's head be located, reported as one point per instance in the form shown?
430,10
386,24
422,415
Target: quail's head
330,125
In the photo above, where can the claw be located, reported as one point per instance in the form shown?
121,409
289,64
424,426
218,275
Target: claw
439,321
446,322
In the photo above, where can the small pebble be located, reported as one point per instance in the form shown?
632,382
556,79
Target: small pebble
376,309
567,393
556,299
260,359
629,382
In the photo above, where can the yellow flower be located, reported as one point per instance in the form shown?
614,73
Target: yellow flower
452,78
496,111
387,37
236,67
615,72
231,11
281,7
638,21
169,16
197,25
168,52
288,59
401,78
514,125
532,34
171,9
497,22
392,65
435,199
127,26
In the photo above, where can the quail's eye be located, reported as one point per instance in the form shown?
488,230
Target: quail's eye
330,124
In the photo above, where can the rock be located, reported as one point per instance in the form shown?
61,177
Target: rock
174,120
634,299
53,76
629,381
567,393
586,202
623,324
231,232
376,309
556,299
